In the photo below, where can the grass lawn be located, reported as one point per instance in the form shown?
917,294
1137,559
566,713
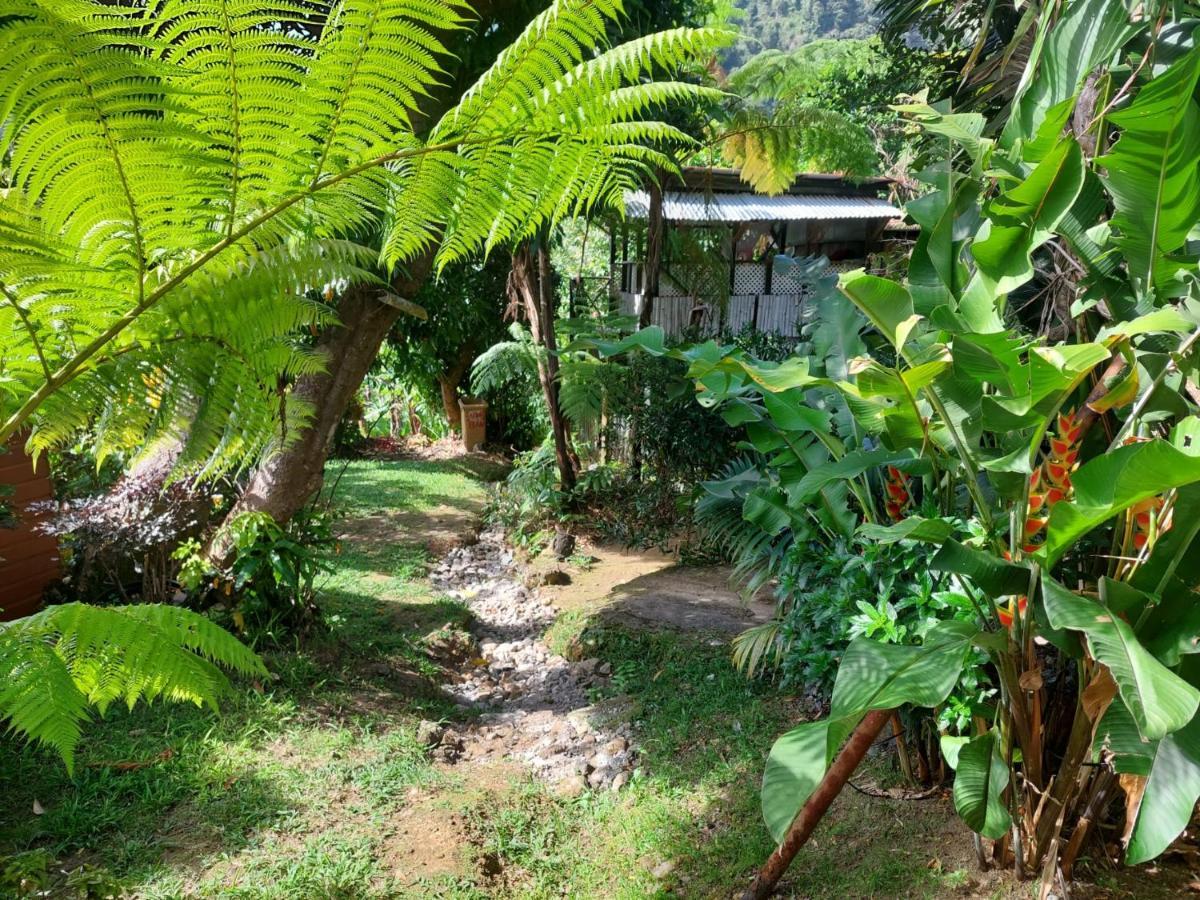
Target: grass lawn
314,785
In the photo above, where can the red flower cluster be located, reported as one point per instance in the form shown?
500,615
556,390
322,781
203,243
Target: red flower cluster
898,495
1050,483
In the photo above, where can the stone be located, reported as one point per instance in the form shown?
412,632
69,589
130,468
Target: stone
616,745
571,787
620,781
556,578
429,734
663,869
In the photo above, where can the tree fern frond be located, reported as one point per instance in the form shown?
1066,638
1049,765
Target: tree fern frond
167,156
58,664
374,61
505,361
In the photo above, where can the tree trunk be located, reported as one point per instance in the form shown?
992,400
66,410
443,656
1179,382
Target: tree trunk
533,285
449,381
285,481
655,234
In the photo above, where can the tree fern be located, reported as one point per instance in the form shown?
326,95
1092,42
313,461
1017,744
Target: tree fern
59,664
200,156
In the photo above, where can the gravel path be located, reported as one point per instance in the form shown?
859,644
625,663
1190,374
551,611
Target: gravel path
535,704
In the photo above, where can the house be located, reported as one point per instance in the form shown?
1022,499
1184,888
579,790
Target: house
699,253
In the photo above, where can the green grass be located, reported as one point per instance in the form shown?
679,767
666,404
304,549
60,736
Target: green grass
305,785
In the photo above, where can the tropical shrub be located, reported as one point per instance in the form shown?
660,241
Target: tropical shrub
268,589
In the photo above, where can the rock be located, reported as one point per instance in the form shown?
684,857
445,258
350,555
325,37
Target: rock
429,734
615,746
620,781
605,669
599,760
571,787
556,577
663,869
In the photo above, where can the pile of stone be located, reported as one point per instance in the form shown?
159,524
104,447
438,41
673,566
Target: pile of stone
535,705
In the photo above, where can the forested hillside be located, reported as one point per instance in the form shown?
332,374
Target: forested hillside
786,24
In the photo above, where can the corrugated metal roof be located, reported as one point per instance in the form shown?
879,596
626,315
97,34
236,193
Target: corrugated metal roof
749,207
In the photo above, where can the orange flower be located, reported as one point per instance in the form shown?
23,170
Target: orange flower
1006,616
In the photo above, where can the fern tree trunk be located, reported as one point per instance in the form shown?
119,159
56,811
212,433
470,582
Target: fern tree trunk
532,283
284,482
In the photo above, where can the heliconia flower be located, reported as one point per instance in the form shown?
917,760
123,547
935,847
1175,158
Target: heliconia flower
1139,539
1036,501
896,488
1034,525
1005,614
1057,472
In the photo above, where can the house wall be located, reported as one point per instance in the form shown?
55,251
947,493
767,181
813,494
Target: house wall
29,561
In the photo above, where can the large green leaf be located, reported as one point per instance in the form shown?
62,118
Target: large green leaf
852,465
1170,795
1088,34
1117,733
979,782
1153,171
795,767
871,676
1159,701
914,528
1113,482
886,303
1024,217
994,576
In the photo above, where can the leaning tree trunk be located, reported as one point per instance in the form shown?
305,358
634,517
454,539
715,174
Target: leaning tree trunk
531,282
285,481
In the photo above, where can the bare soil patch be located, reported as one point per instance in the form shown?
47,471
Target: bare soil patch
648,589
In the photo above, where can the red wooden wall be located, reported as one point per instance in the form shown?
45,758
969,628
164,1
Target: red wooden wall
28,559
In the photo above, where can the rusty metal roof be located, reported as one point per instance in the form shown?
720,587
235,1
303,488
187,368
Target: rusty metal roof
680,206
